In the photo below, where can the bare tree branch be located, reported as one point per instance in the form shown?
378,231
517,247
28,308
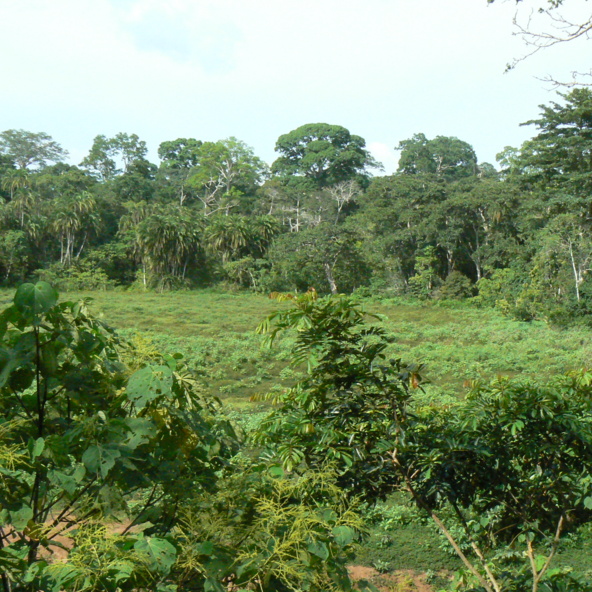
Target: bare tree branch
560,29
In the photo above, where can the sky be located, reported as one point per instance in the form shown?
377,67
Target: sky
256,69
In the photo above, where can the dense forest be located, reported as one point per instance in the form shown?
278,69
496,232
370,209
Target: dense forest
122,471
443,226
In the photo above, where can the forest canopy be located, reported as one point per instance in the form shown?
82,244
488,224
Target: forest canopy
445,225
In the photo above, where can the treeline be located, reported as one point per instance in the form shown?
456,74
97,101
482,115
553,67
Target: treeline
443,226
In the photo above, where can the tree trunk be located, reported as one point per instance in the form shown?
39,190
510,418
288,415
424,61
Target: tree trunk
330,278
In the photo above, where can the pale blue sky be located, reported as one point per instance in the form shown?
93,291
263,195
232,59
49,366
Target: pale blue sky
256,69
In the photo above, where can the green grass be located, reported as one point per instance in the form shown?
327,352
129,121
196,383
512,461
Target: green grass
456,342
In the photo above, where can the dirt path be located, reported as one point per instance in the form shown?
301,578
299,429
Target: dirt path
402,580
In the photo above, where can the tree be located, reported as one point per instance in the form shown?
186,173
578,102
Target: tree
182,153
14,254
226,172
29,149
168,241
62,180
443,156
83,438
558,157
566,240
236,236
15,181
352,399
108,155
326,154
508,466
326,257
396,218
178,158
547,27
74,219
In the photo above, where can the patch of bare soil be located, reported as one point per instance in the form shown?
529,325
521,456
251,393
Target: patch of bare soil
401,580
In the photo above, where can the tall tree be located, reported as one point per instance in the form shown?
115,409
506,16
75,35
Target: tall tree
226,172
178,158
74,219
326,154
443,156
29,149
559,157
109,157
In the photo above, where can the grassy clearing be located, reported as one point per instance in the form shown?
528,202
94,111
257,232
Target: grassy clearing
456,342
459,343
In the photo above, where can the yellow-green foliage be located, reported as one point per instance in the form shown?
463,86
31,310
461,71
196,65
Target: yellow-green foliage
282,532
100,559
11,455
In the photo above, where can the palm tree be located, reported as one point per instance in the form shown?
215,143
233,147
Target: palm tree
169,239
263,230
228,236
75,218
129,224
15,180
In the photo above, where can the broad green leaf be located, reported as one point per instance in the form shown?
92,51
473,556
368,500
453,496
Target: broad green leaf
148,384
205,548
276,471
9,361
539,562
96,458
160,553
20,355
79,473
211,585
34,571
123,570
20,518
35,299
63,481
344,535
319,549
36,447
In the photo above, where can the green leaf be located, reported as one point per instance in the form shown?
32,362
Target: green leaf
65,482
539,562
97,458
588,503
160,553
124,570
211,585
35,299
140,431
344,535
36,447
276,471
148,384
319,549
205,548
20,518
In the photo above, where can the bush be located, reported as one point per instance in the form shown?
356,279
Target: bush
456,286
77,277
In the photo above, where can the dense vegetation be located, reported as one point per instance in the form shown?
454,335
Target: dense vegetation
443,226
120,467
121,460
